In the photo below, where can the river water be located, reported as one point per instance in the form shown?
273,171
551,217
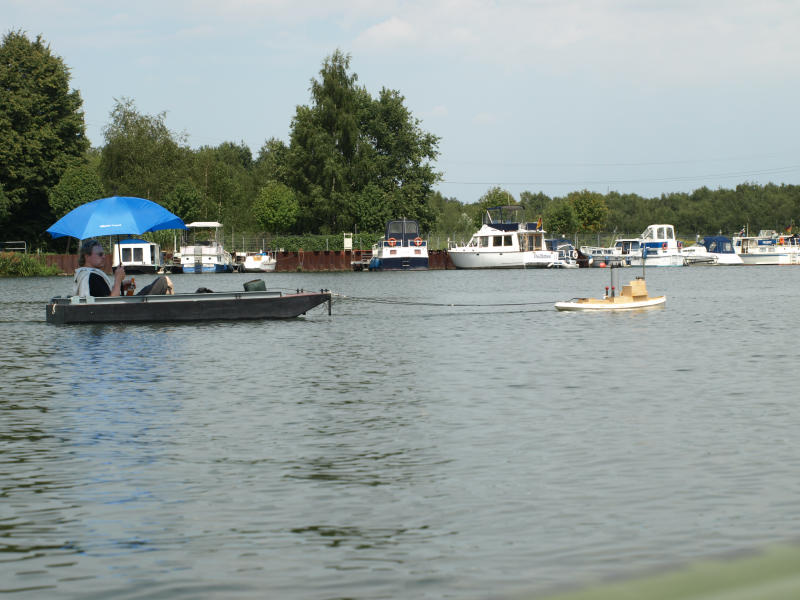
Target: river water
465,440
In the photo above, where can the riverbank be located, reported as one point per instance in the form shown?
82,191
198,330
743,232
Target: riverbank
16,264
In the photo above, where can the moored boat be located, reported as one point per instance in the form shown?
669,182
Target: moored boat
504,242
657,246
222,306
401,249
768,248
255,262
205,255
712,250
138,256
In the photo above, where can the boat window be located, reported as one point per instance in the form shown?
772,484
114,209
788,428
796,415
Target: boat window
126,255
507,240
137,255
395,228
497,240
483,241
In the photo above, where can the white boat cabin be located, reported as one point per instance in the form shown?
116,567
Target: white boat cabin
138,256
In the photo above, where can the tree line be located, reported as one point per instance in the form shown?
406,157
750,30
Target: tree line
352,162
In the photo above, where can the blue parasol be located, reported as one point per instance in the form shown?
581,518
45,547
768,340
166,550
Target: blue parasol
113,216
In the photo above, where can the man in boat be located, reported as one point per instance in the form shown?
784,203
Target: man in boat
90,280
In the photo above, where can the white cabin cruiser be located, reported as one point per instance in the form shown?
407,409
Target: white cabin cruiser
503,242
205,255
401,249
662,249
768,248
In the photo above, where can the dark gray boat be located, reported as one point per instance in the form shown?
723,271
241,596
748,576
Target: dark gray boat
222,306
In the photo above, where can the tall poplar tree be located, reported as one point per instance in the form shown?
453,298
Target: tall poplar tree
42,132
355,161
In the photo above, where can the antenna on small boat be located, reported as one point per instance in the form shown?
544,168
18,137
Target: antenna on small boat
644,259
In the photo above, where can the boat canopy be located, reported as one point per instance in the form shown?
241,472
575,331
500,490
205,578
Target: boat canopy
134,241
204,224
719,244
659,232
556,243
406,230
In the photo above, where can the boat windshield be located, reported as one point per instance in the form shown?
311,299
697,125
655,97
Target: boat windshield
504,214
398,228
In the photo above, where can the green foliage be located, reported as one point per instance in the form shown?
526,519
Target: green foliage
42,132
275,208
590,210
495,196
78,185
353,160
141,157
450,215
14,264
560,218
185,201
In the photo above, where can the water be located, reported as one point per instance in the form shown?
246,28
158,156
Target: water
409,450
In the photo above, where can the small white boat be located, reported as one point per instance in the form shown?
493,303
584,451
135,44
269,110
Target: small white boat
603,257
634,296
567,255
255,262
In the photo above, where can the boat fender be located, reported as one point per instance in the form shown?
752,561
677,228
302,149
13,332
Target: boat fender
664,246
574,254
392,242
418,241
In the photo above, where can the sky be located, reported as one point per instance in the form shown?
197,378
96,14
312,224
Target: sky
635,96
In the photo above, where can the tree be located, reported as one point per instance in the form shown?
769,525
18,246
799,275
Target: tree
185,201
78,185
590,210
495,196
42,131
224,175
141,157
559,218
275,208
349,151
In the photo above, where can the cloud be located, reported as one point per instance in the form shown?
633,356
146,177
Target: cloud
687,41
389,33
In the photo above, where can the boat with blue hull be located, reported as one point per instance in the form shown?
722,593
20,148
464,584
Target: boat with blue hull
401,249
205,255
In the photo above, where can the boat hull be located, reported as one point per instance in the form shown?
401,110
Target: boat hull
207,268
469,259
588,305
765,259
401,263
221,306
